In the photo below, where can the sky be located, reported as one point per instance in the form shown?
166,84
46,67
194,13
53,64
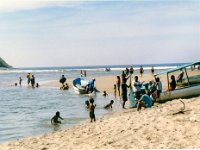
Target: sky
49,33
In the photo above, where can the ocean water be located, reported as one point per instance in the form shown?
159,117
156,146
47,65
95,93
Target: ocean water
27,111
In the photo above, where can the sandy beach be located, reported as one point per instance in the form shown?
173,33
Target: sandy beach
158,127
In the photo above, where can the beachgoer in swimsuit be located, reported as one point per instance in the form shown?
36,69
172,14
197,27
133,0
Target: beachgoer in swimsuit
55,120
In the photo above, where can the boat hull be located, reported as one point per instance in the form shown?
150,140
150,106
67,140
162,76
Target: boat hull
186,92
79,85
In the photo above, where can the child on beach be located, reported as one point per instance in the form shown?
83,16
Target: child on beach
109,105
105,94
91,110
87,104
115,90
55,118
20,81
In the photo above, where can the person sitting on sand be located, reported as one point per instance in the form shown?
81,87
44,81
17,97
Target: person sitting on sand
145,101
64,87
105,94
55,120
109,105
91,110
87,104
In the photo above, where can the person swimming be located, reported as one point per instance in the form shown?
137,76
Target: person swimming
55,118
109,105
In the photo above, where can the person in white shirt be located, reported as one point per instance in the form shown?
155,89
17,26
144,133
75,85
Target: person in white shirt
137,88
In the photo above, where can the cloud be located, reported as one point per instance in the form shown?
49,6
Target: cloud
15,5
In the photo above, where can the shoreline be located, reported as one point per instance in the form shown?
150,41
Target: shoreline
126,129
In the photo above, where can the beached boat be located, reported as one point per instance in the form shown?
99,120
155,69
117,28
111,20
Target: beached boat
79,85
187,83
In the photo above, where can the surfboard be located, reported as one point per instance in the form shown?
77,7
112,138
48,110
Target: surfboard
131,94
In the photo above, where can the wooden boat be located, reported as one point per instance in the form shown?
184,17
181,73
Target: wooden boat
79,85
189,86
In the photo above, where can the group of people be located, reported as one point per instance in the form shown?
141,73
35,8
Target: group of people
147,94
30,80
90,106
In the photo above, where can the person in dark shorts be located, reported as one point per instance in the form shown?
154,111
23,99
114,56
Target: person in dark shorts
124,92
33,81
141,71
55,118
91,110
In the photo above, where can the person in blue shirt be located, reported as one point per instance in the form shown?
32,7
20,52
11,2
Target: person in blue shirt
91,85
145,101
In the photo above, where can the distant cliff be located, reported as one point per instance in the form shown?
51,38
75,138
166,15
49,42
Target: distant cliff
3,63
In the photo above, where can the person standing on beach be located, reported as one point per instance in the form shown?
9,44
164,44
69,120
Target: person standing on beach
28,78
141,71
85,74
137,88
118,83
91,110
152,70
115,90
62,80
20,81
124,92
33,81
158,86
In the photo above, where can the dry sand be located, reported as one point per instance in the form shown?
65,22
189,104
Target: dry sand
156,127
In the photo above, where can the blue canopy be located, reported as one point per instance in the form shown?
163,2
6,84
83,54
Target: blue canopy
178,68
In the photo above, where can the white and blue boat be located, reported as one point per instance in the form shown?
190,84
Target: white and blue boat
189,85
79,85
